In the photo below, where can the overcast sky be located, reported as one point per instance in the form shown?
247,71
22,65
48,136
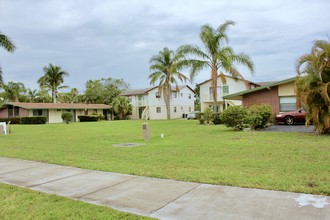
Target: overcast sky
94,39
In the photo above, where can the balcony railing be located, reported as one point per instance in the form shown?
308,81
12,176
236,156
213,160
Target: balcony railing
142,103
209,97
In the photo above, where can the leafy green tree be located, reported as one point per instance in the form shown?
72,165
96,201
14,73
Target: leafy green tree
52,79
6,43
217,56
103,91
70,97
32,95
13,91
121,106
313,85
42,96
166,68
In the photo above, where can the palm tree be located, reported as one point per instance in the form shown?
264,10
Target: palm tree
313,85
13,91
6,43
166,66
52,79
121,106
217,56
32,95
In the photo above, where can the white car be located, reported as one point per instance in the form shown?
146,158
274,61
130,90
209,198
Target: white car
192,115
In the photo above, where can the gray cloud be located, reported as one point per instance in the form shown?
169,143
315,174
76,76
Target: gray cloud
95,39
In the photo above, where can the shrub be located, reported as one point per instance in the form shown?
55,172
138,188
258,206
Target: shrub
209,117
67,117
101,117
34,120
87,118
258,116
200,117
216,118
16,120
234,117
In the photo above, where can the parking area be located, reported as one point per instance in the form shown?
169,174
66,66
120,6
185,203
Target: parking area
291,128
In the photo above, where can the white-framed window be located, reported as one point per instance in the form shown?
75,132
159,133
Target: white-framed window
174,109
189,109
181,108
158,109
175,94
189,96
130,98
157,95
220,89
288,103
181,94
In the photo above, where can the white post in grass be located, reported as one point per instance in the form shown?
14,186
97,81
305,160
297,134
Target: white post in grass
146,131
3,129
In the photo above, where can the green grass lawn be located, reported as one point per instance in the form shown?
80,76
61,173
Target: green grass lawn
296,162
20,203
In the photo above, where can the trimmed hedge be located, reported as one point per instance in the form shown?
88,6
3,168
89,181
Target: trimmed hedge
16,120
34,120
87,118
26,120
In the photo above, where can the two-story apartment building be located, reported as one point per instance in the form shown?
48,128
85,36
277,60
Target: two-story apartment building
231,85
148,104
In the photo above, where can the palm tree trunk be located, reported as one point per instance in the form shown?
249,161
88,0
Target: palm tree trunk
54,96
167,103
214,78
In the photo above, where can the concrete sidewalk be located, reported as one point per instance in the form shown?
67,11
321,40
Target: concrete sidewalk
163,199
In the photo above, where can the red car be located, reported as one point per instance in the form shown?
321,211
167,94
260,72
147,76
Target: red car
290,118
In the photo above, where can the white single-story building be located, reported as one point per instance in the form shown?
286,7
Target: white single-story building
52,111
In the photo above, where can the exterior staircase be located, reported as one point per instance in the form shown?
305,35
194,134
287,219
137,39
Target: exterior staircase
145,114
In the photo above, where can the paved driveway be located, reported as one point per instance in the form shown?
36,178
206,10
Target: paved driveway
291,128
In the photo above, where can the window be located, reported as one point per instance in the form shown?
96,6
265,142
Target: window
189,96
16,111
220,89
94,111
157,95
175,94
158,110
10,112
189,109
37,112
181,94
225,89
174,109
13,111
288,103
130,98
181,108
